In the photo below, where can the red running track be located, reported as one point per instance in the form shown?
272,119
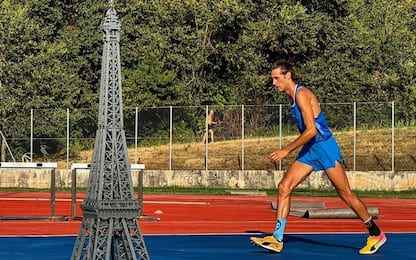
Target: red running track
196,214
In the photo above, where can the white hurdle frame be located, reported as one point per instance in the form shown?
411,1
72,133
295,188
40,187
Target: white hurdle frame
87,166
37,165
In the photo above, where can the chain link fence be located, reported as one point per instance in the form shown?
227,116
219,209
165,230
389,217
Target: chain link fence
373,136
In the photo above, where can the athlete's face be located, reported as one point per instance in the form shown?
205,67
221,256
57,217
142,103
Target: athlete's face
280,79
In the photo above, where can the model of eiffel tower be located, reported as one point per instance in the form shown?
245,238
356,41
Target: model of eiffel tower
110,228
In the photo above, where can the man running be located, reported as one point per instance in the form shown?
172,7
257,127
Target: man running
320,152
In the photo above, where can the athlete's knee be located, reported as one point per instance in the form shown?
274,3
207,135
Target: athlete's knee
284,189
348,196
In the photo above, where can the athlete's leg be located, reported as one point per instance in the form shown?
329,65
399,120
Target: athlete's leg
211,132
296,174
339,179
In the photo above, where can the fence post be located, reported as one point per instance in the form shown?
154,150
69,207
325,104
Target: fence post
242,138
392,138
67,138
354,134
206,138
136,130
280,133
170,138
31,134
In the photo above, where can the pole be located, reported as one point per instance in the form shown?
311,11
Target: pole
280,133
206,138
392,138
136,132
31,134
354,134
170,138
73,192
53,192
67,138
242,138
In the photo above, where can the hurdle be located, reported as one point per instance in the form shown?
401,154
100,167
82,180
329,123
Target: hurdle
87,166
36,165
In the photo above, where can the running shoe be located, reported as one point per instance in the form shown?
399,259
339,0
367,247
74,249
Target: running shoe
373,244
268,242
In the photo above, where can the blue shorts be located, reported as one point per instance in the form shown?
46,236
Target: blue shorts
321,155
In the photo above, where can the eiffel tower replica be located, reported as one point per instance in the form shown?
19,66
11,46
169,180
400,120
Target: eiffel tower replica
110,228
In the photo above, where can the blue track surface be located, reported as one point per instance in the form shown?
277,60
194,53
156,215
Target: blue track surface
297,246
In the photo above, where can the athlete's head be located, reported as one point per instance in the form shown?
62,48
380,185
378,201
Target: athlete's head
286,67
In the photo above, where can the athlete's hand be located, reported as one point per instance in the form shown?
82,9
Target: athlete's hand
278,155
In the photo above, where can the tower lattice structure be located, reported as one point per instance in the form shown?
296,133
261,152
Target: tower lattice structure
110,228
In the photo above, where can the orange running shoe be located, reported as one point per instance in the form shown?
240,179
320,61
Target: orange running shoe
373,244
268,242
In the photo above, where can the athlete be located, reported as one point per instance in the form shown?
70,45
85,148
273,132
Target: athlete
211,123
320,152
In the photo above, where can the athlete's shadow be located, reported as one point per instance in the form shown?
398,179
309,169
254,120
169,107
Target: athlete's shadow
315,241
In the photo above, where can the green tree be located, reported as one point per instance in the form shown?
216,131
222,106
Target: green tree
50,62
385,36
167,48
213,52
18,37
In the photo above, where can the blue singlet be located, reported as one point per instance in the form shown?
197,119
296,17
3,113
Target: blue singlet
322,151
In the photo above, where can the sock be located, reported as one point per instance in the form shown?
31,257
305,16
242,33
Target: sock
372,227
280,228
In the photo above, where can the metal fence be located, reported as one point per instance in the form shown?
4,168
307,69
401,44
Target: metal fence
372,136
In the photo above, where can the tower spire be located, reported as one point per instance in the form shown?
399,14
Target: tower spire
110,228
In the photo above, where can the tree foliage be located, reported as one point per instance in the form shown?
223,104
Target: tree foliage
207,52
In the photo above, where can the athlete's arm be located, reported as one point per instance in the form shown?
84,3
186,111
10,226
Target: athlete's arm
304,100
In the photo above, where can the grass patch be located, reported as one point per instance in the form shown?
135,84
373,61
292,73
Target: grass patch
373,152
301,192
408,194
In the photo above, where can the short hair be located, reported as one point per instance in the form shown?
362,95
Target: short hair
286,67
